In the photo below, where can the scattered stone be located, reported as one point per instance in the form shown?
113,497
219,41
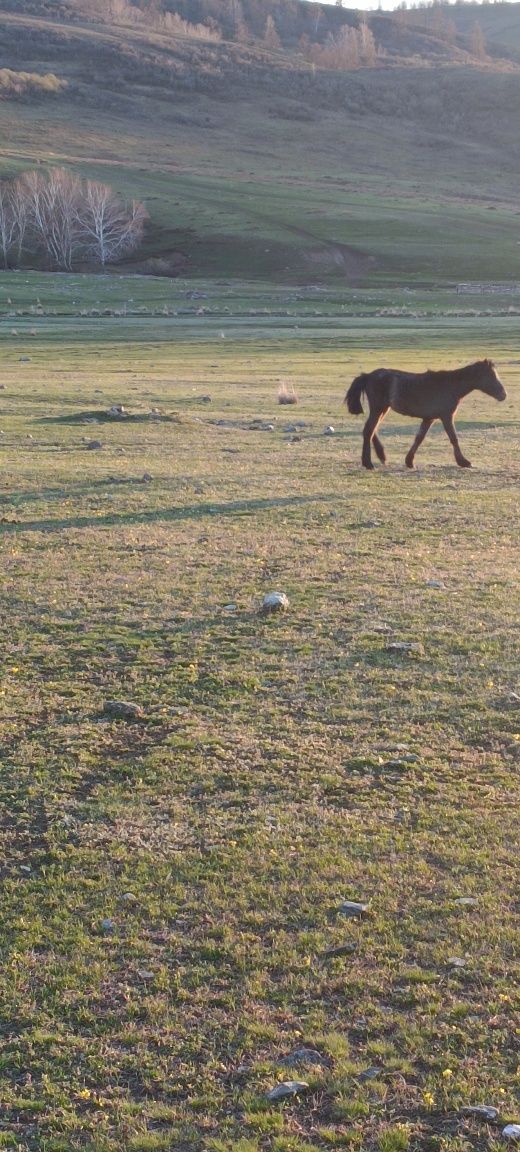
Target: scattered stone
116,410
339,950
129,898
466,901
456,962
353,909
511,1132
26,868
286,1088
369,1074
305,1056
205,399
260,426
481,1111
274,602
108,926
146,478
91,444
329,431
296,440
30,436
145,974
25,359
435,584
230,608
122,710
290,428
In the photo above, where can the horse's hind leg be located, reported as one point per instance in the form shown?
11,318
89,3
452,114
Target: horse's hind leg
450,429
369,434
409,458
381,454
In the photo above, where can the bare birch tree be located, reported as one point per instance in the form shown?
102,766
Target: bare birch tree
66,219
7,222
108,228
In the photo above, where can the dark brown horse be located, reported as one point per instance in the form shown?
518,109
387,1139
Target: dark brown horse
430,395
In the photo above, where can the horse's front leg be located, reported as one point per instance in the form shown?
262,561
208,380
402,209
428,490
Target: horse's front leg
450,430
409,458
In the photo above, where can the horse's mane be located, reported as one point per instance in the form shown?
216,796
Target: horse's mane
466,370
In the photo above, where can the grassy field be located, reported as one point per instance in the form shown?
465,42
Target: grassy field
173,882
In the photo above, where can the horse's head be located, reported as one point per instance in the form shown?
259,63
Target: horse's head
488,380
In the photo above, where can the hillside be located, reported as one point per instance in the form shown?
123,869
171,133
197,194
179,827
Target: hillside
252,159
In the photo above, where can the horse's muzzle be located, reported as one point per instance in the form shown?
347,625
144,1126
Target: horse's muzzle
502,395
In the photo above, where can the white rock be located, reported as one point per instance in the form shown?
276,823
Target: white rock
511,1132
329,431
287,1088
353,908
466,901
275,602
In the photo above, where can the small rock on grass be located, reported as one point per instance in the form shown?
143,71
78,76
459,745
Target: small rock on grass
511,1132
274,602
92,444
122,710
353,909
108,926
481,1111
466,902
287,1088
329,431
456,962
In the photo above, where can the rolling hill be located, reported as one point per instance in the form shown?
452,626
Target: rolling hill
253,159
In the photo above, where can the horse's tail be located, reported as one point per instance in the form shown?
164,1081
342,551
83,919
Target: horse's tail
353,397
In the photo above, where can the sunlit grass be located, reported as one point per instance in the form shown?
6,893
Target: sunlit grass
173,883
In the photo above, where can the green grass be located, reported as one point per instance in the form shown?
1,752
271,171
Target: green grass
282,765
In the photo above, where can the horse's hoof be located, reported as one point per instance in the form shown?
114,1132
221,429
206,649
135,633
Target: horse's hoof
369,466
409,463
464,463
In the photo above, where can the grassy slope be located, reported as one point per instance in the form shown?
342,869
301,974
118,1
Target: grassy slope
281,766
394,174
